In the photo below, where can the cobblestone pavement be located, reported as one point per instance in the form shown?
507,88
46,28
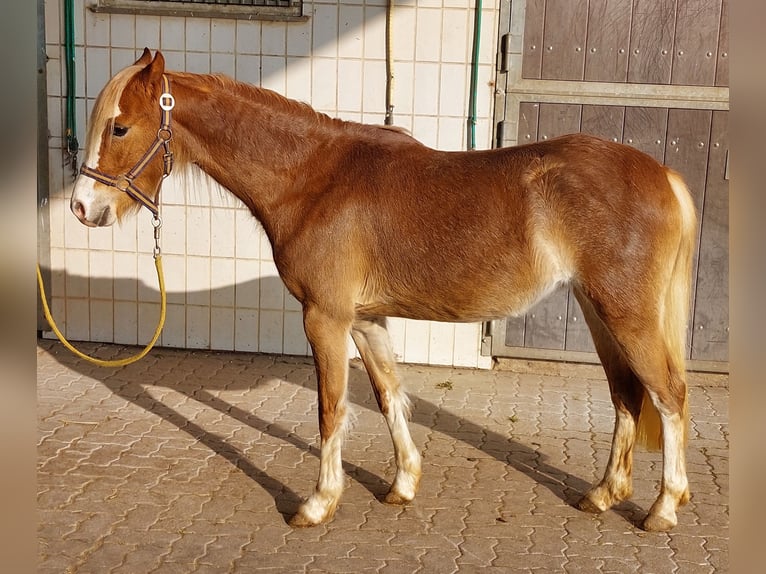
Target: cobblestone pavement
194,461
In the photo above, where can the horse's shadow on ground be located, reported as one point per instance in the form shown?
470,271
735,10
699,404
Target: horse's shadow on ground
130,383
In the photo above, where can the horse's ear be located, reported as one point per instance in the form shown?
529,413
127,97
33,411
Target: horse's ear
152,73
145,58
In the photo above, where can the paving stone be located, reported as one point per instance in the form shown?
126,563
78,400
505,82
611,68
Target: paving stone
477,552
584,566
532,563
55,551
189,548
105,557
193,462
719,559
656,558
139,559
274,563
622,566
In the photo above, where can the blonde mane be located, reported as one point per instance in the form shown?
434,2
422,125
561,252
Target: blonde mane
107,107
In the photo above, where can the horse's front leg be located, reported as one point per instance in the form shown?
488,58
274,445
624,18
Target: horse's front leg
327,335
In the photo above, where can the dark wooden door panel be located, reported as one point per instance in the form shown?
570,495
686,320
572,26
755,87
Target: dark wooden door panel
687,148
545,325
606,54
557,120
645,129
651,41
603,121
564,39
722,64
710,333
529,115
532,59
514,331
696,43
578,337
680,42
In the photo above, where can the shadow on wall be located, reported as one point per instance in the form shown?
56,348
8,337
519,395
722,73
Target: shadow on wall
238,371
258,315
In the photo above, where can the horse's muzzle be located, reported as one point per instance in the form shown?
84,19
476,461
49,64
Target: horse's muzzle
101,218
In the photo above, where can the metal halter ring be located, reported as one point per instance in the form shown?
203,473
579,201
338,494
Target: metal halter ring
122,182
171,101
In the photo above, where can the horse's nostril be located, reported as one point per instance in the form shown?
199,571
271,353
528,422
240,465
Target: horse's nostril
78,209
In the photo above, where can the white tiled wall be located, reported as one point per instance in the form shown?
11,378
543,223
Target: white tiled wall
223,288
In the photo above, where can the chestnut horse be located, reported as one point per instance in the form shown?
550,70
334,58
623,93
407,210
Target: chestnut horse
365,222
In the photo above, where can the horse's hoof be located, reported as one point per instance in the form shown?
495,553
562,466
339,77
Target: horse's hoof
316,510
587,505
396,499
300,521
655,523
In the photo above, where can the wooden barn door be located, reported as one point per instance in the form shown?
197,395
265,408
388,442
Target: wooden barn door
648,73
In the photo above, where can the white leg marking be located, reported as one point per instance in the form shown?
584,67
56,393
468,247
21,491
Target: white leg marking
407,456
675,485
321,505
674,490
674,459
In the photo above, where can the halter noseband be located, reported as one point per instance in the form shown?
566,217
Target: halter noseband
125,182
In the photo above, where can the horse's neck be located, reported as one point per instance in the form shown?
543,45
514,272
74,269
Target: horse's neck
251,142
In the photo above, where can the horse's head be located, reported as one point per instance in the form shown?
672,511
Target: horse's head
128,137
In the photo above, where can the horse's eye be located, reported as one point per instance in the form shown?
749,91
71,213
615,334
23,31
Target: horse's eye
119,131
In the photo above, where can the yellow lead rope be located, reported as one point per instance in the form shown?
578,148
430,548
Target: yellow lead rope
115,362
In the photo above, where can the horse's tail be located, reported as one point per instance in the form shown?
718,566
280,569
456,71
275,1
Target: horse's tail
675,319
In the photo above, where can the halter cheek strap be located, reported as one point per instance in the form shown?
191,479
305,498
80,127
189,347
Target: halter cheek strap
125,182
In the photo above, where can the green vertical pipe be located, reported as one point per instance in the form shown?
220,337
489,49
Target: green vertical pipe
474,75
71,112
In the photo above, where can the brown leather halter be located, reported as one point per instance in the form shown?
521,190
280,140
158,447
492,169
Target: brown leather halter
125,181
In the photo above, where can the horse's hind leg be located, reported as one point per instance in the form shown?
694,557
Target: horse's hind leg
641,365
627,394
374,344
666,389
